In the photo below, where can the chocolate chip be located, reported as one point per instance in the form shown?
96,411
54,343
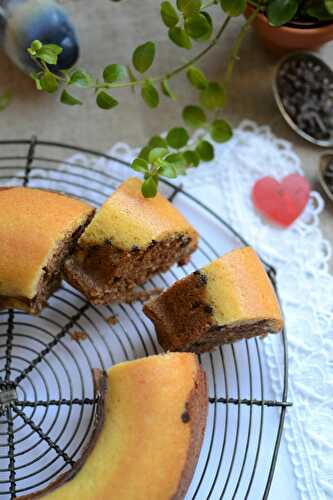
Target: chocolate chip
185,241
152,244
135,249
108,241
208,309
202,278
185,417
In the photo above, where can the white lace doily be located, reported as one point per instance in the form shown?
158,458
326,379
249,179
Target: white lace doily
300,254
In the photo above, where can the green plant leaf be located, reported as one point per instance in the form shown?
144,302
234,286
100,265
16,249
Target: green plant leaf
188,7
192,158
168,170
144,153
115,73
149,187
156,153
49,53
177,137
5,99
221,131
166,89
140,165
213,96
157,142
36,45
143,56
197,26
194,116
81,78
208,34
178,161
52,47
279,12
205,150
320,10
329,6
233,7
70,100
149,94
197,77
169,14
179,37
105,100
48,82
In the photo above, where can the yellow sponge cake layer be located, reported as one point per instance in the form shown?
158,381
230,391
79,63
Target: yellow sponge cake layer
238,288
130,220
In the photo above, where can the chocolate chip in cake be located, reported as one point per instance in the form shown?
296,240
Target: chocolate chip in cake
208,309
185,240
185,417
152,243
135,249
202,278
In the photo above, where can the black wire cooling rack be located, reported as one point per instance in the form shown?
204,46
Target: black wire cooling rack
47,401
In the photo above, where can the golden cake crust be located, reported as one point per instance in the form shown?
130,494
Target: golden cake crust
32,223
155,416
238,288
196,403
130,220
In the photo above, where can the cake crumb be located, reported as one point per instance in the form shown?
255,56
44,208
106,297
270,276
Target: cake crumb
77,335
112,320
143,295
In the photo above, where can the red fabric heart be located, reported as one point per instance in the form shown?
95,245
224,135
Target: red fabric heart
281,202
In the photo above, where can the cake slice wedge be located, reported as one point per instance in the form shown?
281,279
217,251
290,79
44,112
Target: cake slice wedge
154,421
130,239
38,230
230,299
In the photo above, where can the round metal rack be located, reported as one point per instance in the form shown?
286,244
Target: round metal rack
47,399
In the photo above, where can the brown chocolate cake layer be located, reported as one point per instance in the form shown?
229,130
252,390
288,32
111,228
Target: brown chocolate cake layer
106,274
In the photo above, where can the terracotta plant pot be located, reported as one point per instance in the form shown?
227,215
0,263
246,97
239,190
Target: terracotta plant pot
286,39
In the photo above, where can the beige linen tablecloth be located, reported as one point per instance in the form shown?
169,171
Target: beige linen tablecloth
109,32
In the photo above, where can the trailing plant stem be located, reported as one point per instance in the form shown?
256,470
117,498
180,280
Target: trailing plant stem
156,79
201,54
237,45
